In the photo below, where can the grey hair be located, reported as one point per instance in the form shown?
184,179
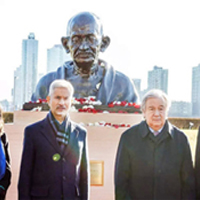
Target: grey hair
61,83
155,93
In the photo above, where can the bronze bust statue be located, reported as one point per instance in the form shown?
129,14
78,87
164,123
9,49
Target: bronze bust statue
89,75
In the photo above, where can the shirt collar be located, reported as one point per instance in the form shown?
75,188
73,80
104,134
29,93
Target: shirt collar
144,128
54,119
154,130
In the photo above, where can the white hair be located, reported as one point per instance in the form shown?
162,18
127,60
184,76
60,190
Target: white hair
61,83
155,93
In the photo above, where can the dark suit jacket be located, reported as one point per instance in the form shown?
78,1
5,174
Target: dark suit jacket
197,167
154,168
42,177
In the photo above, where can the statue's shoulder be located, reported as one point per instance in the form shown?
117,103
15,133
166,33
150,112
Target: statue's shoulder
110,70
122,75
63,70
43,86
48,77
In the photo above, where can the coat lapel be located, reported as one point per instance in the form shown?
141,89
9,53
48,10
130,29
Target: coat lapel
73,142
48,133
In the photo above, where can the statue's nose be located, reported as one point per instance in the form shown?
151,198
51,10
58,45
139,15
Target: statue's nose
84,45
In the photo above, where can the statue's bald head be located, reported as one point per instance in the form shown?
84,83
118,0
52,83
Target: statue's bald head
85,39
85,18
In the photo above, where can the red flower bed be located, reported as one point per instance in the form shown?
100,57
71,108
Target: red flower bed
90,105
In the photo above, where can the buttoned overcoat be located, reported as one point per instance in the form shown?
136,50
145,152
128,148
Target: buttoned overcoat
47,172
197,166
154,169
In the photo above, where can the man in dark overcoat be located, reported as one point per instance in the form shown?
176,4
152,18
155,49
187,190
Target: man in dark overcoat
154,159
197,166
54,162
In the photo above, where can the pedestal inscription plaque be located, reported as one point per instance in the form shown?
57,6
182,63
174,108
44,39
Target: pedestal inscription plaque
96,173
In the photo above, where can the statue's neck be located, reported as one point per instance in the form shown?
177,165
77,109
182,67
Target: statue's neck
85,71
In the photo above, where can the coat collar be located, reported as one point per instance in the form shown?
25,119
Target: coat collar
144,129
48,132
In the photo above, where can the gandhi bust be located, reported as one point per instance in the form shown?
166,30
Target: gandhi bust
89,75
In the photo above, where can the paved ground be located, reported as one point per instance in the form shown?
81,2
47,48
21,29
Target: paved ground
15,140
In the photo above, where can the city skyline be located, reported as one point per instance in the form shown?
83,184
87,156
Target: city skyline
155,71
157,78
144,35
57,50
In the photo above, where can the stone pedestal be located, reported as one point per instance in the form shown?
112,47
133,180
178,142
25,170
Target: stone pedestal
102,141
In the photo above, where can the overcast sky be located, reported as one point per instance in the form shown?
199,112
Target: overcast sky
143,34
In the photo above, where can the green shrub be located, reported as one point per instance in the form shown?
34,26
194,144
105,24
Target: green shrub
8,117
185,123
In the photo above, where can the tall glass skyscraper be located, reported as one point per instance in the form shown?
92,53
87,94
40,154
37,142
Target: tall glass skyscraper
158,79
29,66
56,56
17,89
196,91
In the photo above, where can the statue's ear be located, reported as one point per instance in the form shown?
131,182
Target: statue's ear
105,43
65,41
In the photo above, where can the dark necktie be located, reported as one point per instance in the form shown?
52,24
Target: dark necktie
155,133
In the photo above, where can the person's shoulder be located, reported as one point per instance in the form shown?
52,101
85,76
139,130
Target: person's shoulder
133,131
48,76
68,64
177,133
119,73
35,125
78,127
110,69
122,77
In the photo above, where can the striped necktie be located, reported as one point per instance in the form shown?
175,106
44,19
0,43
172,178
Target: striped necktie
62,137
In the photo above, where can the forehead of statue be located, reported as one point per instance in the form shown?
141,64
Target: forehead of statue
84,25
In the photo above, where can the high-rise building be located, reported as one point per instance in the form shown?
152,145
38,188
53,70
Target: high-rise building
158,79
56,56
17,92
29,66
180,109
196,91
137,83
